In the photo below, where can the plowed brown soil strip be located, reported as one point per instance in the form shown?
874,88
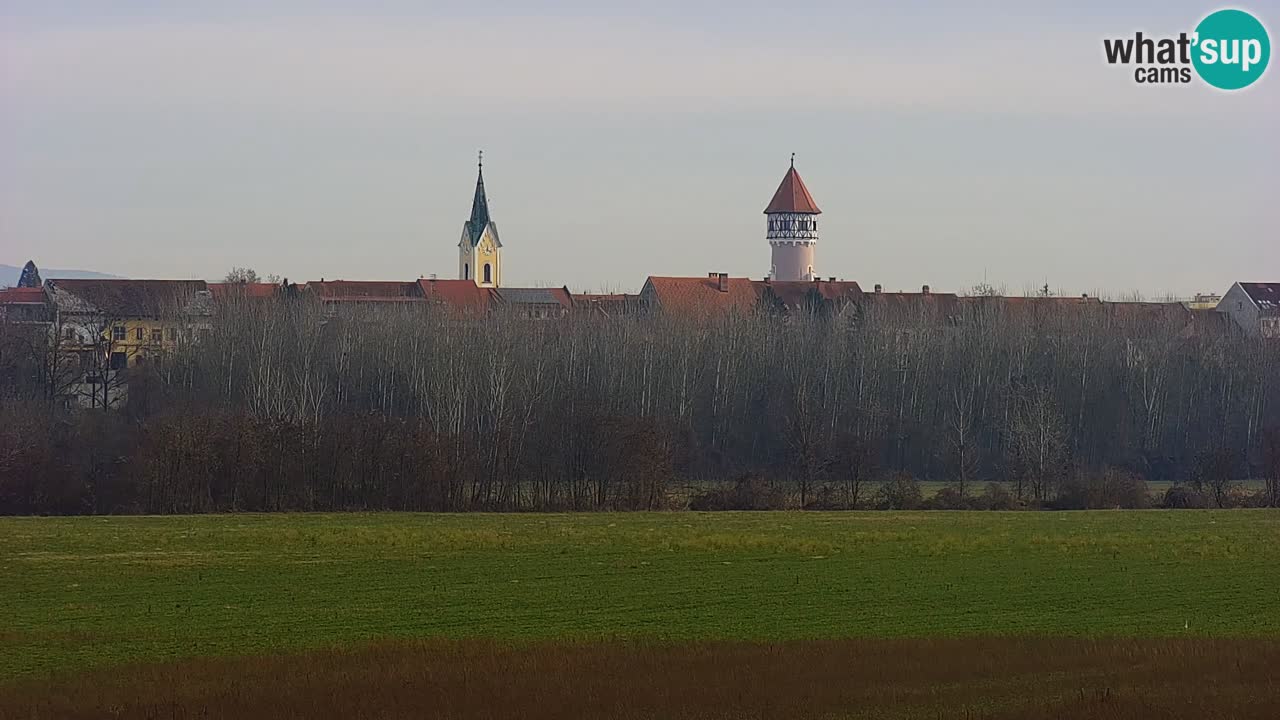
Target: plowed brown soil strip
926,678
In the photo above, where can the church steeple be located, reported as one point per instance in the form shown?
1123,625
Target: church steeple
479,205
478,249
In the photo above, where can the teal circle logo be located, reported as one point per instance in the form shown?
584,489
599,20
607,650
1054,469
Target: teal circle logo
1231,49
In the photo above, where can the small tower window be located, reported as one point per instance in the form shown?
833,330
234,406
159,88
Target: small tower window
466,271
488,273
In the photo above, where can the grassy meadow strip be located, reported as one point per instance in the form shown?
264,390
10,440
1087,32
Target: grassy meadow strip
79,593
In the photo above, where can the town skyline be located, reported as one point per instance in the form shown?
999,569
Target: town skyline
181,142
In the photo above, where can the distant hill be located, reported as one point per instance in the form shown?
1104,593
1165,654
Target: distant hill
9,274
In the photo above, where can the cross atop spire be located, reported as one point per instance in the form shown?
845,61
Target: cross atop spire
793,159
480,162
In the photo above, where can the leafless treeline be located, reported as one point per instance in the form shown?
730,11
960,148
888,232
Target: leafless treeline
285,406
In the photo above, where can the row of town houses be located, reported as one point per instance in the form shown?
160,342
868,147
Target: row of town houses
119,323
156,313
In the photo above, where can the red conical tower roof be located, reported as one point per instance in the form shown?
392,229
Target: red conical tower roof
792,196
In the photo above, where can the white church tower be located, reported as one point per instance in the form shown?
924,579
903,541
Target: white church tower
480,250
793,229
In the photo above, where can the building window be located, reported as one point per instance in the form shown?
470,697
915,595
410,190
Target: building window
71,335
119,361
466,271
118,333
488,273
157,336
137,334
173,334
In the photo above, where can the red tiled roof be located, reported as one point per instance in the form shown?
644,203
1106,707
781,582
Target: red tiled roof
794,295
13,296
603,297
701,297
536,296
1028,306
130,298
252,291
364,290
937,305
1148,310
463,295
792,196
608,304
1207,323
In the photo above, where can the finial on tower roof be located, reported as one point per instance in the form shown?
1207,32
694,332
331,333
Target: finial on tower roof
480,161
793,159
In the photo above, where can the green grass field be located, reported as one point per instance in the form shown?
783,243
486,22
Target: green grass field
76,593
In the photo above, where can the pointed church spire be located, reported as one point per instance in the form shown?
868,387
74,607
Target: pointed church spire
479,205
479,249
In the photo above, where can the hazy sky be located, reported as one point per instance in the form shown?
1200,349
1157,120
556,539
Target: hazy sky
337,140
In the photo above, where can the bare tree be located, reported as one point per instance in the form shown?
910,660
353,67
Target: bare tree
241,275
1271,466
1038,443
1213,473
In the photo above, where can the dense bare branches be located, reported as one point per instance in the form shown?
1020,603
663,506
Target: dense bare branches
293,404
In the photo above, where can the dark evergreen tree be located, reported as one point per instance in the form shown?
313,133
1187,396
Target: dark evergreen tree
30,277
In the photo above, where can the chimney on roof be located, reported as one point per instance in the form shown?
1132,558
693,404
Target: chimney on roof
1084,295
924,290
713,275
723,282
831,279
768,279
879,287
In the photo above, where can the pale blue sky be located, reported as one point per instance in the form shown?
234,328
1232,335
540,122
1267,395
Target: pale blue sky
329,139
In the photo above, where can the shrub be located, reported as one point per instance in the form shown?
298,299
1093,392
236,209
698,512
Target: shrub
1112,488
1183,497
748,492
826,498
997,497
949,498
900,492
1242,498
